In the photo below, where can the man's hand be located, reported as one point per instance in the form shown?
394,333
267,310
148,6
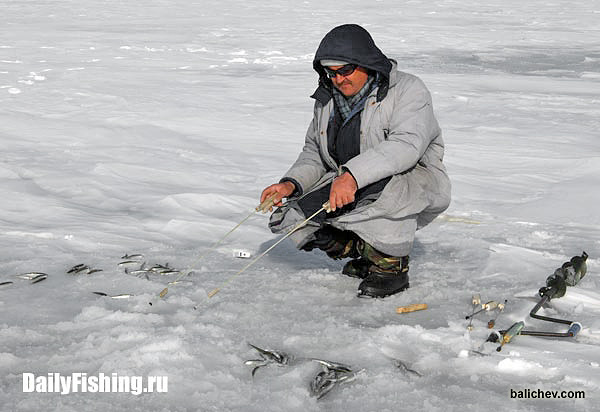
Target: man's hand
282,190
342,191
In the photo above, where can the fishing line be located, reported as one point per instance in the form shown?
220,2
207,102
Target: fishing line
263,207
298,226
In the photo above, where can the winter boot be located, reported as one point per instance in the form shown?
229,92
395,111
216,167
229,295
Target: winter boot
338,244
387,275
381,283
357,268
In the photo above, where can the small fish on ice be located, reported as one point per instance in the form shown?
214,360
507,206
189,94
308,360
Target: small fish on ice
267,357
333,374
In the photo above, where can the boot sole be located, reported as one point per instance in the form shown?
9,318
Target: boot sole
377,293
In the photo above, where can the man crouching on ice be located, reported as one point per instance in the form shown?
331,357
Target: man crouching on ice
374,149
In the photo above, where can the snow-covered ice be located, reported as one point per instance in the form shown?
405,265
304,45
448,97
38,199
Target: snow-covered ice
151,128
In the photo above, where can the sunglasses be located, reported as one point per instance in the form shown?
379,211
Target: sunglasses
343,71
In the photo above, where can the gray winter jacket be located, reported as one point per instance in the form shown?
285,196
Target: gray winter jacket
399,137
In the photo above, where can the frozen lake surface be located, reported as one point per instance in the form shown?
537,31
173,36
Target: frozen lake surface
151,128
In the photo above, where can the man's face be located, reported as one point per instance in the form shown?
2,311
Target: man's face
351,84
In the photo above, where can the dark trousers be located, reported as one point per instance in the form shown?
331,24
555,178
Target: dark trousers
314,200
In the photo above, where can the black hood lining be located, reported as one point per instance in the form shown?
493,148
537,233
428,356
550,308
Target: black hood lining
353,44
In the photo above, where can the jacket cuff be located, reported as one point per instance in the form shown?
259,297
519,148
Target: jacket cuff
298,191
346,169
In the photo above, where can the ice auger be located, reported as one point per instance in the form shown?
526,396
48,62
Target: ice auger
569,274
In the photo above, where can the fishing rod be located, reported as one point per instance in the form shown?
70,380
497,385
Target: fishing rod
325,208
263,208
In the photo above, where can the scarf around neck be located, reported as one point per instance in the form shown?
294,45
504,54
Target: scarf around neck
349,106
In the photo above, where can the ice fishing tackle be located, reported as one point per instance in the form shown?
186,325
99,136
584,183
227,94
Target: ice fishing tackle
491,305
569,274
325,207
509,334
263,208
475,302
501,306
479,307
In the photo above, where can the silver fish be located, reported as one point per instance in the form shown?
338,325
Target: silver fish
170,272
333,374
477,353
6,283
137,272
122,296
322,384
163,269
130,257
83,268
405,369
39,278
140,271
31,275
160,268
93,271
143,273
78,268
334,366
128,262
267,357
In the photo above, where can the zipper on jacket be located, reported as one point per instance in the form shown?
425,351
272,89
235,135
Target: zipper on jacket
323,136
